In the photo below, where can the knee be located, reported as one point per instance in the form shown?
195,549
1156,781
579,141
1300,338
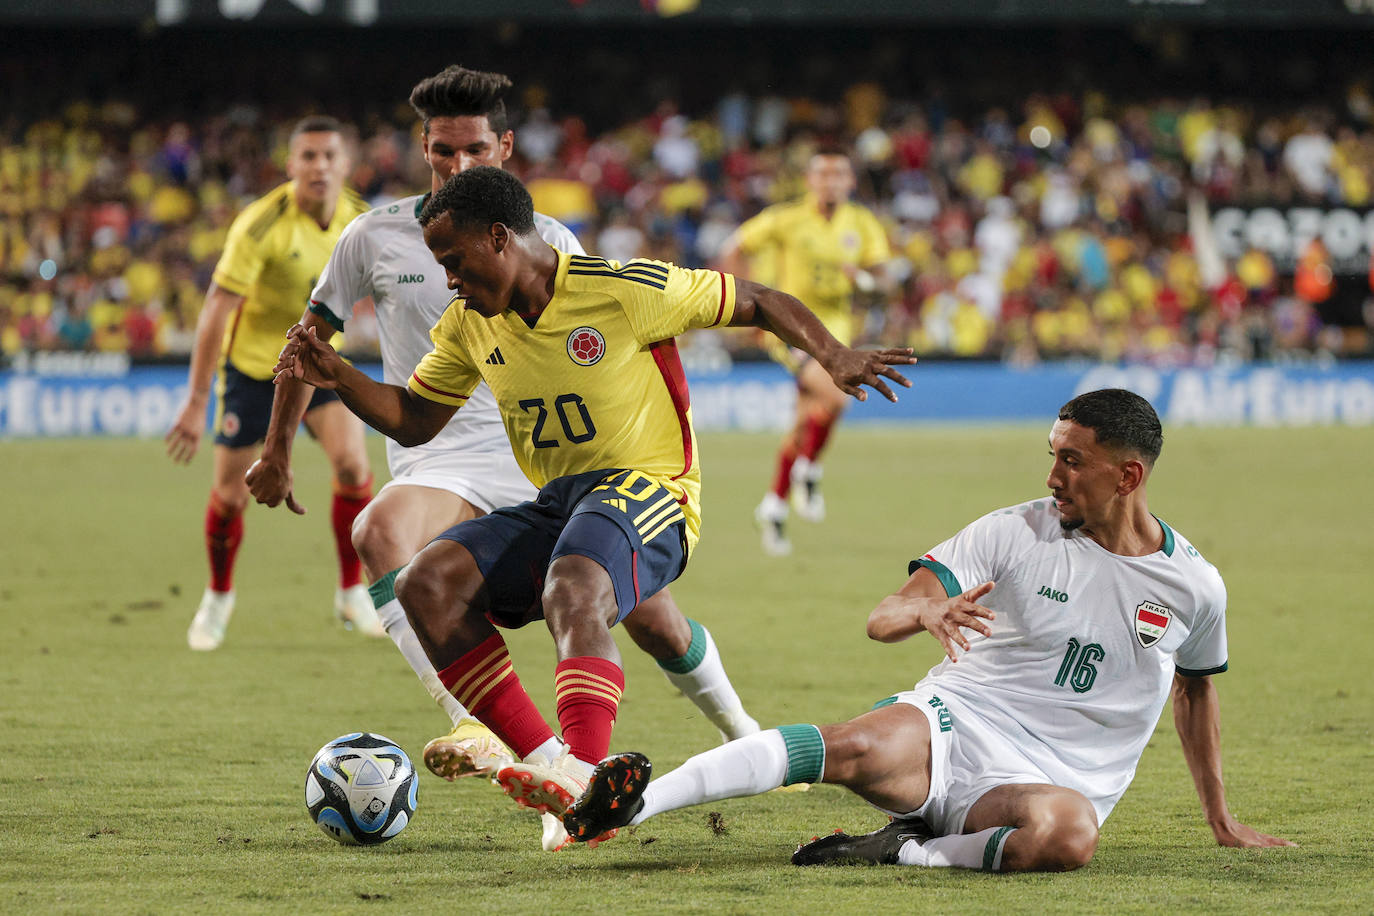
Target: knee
848,751
1070,836
375,539
577,590
423,594
352,471
229,499
659,629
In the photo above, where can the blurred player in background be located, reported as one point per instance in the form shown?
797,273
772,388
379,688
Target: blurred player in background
1011,753
468,469
580,356
822,248
273,256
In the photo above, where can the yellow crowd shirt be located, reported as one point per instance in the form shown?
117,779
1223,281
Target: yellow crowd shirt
597,382
272,257
809,254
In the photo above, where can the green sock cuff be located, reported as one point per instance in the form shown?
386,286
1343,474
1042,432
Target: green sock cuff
805,753
695,652
384,589
992,852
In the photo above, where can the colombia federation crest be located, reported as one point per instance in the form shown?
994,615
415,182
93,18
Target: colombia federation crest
586,346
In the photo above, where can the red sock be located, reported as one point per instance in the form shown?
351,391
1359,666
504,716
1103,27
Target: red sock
348,502
588,691
782,482
223,534
484,681
815,434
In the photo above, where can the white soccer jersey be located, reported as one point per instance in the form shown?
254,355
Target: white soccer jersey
382,254
1084,646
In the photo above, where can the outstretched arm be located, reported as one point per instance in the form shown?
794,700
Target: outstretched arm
921,605
270,479
763,307
1197,716
189,426
395,412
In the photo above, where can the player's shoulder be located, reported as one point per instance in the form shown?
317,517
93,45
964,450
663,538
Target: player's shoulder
401,212
397,216
587,273
1036,520
258,218
1205,577
789,212
353,204
556,234
861,214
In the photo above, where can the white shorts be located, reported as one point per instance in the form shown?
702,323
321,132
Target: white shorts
488,480
967,759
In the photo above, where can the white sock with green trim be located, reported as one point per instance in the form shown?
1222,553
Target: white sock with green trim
393,618
701,677
749,766
981,850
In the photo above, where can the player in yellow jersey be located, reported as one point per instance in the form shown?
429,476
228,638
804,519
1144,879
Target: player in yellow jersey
274,253
579,354
819,249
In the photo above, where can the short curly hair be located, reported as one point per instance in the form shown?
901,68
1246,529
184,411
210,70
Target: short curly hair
482,196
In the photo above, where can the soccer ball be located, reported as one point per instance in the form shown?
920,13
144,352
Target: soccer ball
361,789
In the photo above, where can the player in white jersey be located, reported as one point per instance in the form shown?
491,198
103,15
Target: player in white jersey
1065,621
468,469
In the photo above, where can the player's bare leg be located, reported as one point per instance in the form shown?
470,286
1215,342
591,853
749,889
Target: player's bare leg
884,755
1056,828
400,520
340,435
229,496
442,593
580,607
689,659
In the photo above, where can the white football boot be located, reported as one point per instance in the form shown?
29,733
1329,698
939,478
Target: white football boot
353,605
769,517
212,618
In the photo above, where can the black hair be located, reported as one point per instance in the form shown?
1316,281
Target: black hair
316,124
1120,419
481,196
459,92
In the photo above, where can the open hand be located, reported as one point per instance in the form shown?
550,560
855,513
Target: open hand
850,369
945,620
309,359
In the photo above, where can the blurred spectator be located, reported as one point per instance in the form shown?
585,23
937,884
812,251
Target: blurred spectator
1045,226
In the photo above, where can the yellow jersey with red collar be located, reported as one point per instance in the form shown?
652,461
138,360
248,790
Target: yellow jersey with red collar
273,256
597,382
807,254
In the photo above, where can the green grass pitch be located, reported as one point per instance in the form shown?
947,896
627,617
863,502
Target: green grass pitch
137,776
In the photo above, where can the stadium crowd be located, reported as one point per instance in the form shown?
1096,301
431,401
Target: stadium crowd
1058,228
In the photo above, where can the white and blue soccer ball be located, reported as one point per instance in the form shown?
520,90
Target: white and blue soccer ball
361,789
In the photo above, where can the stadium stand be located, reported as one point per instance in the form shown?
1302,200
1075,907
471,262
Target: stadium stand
1044,225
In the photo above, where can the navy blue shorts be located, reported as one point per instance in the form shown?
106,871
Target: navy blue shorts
245,407
623,520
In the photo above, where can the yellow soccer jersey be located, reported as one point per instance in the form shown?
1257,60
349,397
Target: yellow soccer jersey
808,254
272,257
597,382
